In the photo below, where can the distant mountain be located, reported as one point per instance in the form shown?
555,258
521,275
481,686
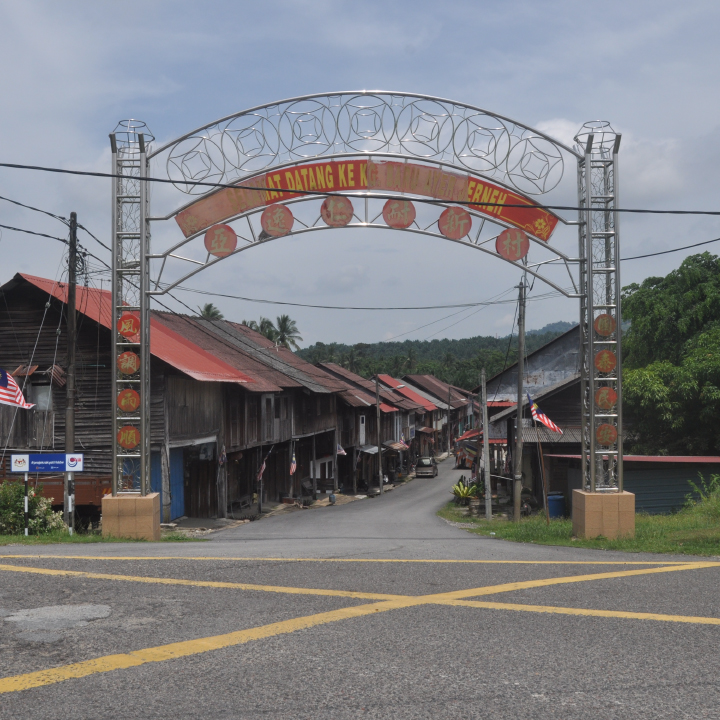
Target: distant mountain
455,361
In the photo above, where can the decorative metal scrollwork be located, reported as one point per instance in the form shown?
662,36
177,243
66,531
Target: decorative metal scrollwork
374,122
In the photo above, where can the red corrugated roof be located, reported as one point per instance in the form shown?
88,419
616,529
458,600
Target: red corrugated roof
165,344
407,392
679,459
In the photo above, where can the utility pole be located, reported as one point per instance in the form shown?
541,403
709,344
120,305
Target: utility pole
517,460
379,437
448,421
69,494
486,449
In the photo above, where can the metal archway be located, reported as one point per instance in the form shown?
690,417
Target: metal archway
434,151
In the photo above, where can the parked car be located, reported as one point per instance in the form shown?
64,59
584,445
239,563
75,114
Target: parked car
426,467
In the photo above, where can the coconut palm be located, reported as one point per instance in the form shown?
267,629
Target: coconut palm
411,360
266,328
351,360
210,312
287,333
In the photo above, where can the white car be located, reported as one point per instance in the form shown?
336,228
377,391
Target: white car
426,467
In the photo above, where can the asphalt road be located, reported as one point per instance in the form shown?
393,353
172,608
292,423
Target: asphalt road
373,609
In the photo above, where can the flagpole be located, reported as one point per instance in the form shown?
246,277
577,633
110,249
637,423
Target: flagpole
542,473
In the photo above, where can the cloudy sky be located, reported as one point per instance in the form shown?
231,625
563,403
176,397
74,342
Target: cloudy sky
72,70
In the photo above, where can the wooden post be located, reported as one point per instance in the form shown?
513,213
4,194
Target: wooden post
379,434
335,460
70,382
314,470
486,450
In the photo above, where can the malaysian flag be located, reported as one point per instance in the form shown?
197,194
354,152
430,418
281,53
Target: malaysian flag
340,450
262,467
293,464
10,393
539,416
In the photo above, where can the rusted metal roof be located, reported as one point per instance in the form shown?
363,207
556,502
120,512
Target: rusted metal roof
407,392
437,389
165,344
672,459
394,400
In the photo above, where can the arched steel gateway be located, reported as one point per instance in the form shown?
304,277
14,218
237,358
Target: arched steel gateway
368,159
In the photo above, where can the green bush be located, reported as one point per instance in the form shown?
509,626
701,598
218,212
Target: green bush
42,519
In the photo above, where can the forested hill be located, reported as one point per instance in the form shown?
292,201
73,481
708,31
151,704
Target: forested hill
456,361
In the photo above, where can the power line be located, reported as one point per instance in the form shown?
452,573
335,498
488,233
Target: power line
32,232
665,252
30,207
311,193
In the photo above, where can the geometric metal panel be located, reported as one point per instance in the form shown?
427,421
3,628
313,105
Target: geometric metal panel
600,312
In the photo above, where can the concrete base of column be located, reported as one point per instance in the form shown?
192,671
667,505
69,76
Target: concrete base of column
131,515
611,514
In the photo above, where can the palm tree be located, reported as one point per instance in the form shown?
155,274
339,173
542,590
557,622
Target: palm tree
251,324
210,312
287,333
266,328
352,360
411,360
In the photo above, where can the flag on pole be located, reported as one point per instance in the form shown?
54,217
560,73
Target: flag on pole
340,450
540,416
262,467
293,464
10,393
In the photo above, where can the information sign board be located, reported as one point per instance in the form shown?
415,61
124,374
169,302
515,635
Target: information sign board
47,462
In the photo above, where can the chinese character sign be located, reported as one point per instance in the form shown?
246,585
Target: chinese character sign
128,363
220,240
277,220
455,223
336,211
606,434
604,325
128,325
128,400
605,398
605,361
512,244
399,214
128,437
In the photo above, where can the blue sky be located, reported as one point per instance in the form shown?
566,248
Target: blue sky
72,70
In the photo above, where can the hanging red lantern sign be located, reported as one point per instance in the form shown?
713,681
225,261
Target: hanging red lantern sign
128,437
336,211
604,325
277,220
220,240
128,325
128,400
605,361
128,363
606,434
605,398
512,244
399,214
455,223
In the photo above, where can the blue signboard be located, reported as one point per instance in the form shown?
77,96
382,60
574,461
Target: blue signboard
47,463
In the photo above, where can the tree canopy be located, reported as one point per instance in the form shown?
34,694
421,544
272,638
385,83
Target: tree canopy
210,312
671,381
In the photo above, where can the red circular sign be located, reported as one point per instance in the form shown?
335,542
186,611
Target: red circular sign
512,244
277,220
128,325
399,214
220,240
606,434
128,437
128,363
605,398
605,361
605,325
455,223
128,400
336,211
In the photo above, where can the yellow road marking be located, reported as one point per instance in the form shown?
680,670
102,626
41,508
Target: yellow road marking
186,648
201,645
352,560
586,612
203,583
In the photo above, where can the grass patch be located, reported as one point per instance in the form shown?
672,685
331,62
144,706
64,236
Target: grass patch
62,536
694,530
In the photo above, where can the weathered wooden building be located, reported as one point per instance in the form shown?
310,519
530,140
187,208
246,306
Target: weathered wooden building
223,399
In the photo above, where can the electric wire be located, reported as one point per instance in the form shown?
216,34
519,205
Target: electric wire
314,193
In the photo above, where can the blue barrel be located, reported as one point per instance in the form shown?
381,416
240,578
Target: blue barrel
556,505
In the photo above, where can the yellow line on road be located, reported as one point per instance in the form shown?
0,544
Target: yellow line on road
203,583
201,645
352,560
587,612
511,587
186,648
